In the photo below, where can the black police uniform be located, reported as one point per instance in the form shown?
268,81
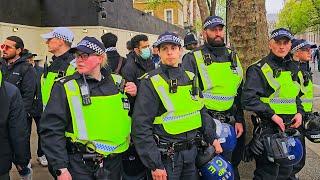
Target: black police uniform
148,106
13,134
256,86
307,75
56,120
221,54
37,106
60,64
115,61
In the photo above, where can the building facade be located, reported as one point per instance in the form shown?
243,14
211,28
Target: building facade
171,12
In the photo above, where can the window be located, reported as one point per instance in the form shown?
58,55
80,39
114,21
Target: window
149,12
168,15
180,18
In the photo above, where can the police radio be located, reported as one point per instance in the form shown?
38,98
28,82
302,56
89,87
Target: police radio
125,100
85,93
173,86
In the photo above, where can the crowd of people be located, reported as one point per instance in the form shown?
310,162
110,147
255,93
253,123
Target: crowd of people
168,110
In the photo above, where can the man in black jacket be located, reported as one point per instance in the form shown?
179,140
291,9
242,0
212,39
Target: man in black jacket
115,61
20,73
138,63
13,134
271,91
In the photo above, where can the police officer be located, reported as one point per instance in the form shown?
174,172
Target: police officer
20,73
115,61
13,134
86,124
168,115
138,63
272,91
59,41
301,55
220,77
190,42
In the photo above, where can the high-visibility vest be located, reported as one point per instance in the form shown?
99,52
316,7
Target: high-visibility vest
307,97
104,125
183,109
283,100
48,81
220,82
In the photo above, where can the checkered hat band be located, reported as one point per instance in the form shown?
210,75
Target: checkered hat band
63,37
281,32
97,49
167,38
111,49
213,21
298,47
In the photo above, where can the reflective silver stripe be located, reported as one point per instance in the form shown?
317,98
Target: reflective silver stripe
164,94
174,118
307,100
282,101
79,118
219,98
71,86
105,147
272,79
203,69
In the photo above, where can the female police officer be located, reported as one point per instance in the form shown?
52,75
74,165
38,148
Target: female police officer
168,115
85,124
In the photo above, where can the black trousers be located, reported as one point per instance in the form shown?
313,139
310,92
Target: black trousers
182,167
5,176
111,169
29,123
237,153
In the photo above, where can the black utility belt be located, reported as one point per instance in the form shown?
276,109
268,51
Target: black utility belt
78,148
178,146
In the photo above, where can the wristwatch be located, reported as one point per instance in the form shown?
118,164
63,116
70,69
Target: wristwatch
58,172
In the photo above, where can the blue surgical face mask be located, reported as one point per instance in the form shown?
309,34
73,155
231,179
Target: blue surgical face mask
145,53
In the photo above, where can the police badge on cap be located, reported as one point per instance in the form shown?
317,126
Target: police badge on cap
281,33
168,37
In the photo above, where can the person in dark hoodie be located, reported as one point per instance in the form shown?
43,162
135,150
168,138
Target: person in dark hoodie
115,61
21,74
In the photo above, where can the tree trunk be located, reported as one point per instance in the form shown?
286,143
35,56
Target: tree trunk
213,7
203,8
194,12
248,33
247,27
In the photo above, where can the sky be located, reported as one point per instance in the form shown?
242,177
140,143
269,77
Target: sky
274,6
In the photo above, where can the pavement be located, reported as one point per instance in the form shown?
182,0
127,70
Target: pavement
309,172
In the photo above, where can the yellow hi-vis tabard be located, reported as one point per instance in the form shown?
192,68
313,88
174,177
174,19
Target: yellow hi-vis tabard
220,82
307,90
48,81
283,100
104,124
183,109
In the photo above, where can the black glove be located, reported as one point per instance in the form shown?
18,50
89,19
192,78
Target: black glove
247,154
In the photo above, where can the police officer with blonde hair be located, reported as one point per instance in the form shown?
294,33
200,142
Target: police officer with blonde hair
85,126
